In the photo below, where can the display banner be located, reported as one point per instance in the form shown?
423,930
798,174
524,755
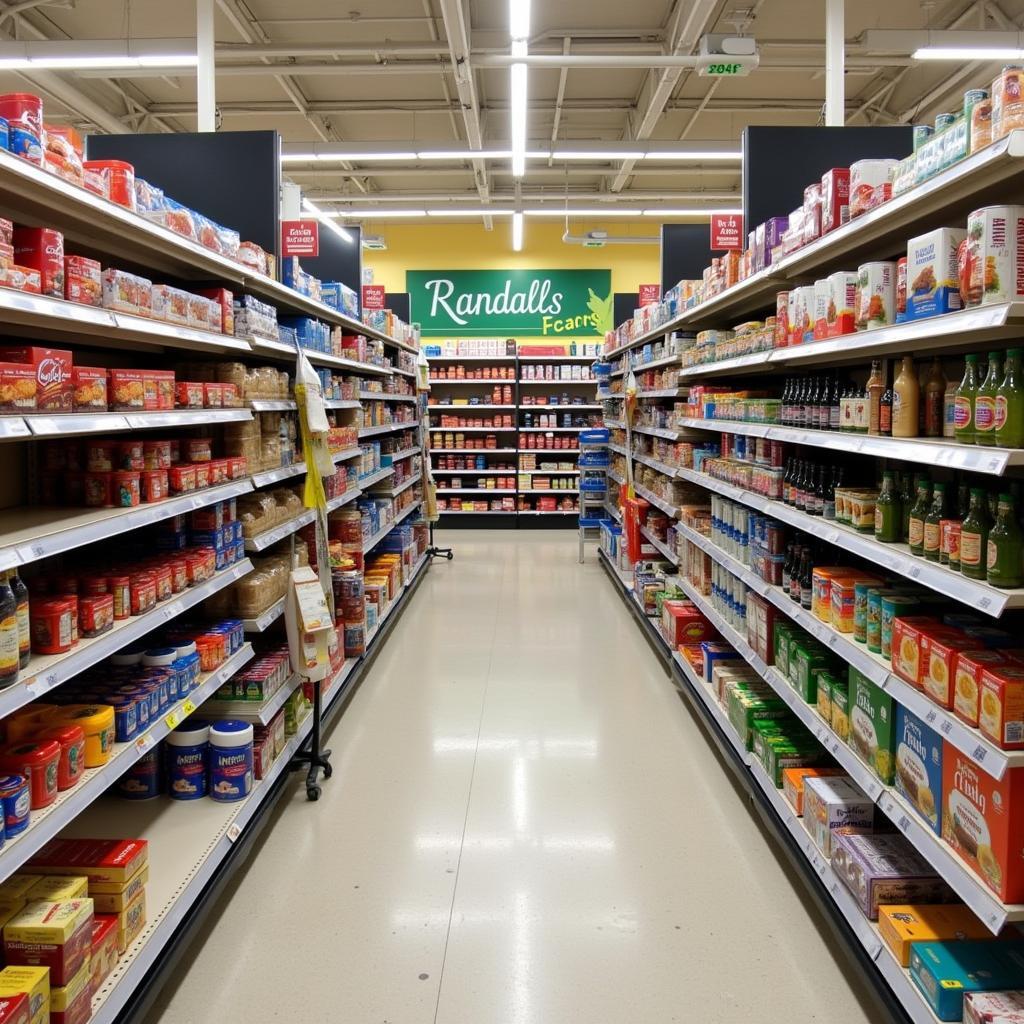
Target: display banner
511,303
726,231
649,295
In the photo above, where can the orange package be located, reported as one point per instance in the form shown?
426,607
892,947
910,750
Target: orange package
1001,705
967,692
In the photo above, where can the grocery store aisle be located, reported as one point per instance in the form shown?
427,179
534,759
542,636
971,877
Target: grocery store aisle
524,825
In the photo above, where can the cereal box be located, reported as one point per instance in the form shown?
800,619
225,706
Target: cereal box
53,375
967,681
793,780
57,935
983,819
18,387
876,295
994,1007
946,972
933,285
842,294
90,388
919,766
1001,705
831,803
901,924
994,269
34,982
822,297
835,198
872,725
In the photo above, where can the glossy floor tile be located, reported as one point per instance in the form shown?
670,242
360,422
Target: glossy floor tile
525,826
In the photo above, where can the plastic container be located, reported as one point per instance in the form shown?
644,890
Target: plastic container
126,717
120,177
187,753
97,722
38,762
142,780
72,753
14,796
231,765
24,115
52,625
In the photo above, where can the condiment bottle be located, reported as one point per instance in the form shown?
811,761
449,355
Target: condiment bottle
9,657
949,410
1005,547
915,529
906,395
876,386
887,510
985,402
974,537
933,523
965,394
1010,405
20,592
934,399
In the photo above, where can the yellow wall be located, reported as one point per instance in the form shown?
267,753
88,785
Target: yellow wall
449,246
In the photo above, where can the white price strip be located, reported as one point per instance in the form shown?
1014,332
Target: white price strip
234,831
143,743
173,610
41,684
30,552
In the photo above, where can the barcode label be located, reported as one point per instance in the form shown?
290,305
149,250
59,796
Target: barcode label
234,831
946,727
1013,732
931,716
143,743
904,823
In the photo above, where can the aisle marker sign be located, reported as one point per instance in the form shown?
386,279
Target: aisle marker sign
373,296
650,294
726,231
300,238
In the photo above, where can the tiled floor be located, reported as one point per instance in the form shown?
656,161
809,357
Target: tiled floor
525,825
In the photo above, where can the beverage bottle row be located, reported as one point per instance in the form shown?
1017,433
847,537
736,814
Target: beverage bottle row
989,403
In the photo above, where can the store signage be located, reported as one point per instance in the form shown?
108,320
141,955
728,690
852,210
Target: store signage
511,303
649,294
300,238
726,231
373,296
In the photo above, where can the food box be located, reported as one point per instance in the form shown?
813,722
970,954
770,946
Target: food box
18,387
54,390
83,280
872,725
919,766
933,284
835,198
113,897
823,702
993,261
127,293
72,1003
761,615
104,947
14,1009
131,921
126,390
840,708
831,803
57,935
170,304
713,653
902,924
17,886
870,184
89,384
876,295
946,972
100,860
967,681
42,249
793,780
684,623
939,648
983,819
907,631
843,595
1001,705
806,660
885,868
822,298
840,317
994,1007
59,887
33,982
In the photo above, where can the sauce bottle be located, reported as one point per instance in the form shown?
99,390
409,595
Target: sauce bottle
9,657
963,414
876,386
887,510
933,523
885,412
1005,547
1010,405
20,592
915,529
934,400
985,402
906,396
974,537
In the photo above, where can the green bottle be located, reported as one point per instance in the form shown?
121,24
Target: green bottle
918,513
887,511
974,536
933,524
963,415
985,402
1010,405
1005,547
907,486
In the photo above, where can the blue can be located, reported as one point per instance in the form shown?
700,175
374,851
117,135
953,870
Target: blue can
231,766
15,796
141,704
126,719
5,134
187,755
142,780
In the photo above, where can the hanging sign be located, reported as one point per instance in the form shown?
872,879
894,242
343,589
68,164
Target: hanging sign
650,294
300,238
373,296
511,303
726,231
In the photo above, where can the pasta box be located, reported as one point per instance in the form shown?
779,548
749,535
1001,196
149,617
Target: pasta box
831,803
946,972
932,278
793,780
100,860
919,766
57,935
967,682
902,924
872,725
983,820
52,367
32,982
994,1007
72,1003
1001,705
14,1009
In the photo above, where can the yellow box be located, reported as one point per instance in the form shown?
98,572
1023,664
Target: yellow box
61,998
900,925
16,886
131,921
60,887
42,922
33,981
110,898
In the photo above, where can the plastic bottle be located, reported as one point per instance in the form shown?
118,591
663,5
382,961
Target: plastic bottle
964,411
20,592
1009,431
974,537
906,397
1005,547
985,402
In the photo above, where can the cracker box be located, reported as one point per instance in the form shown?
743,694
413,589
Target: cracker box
876,295
840,317
983,820
113,897
18,387
104,948
994,255
793,780
831,803
53,375
901,924
761,615
42,249
872,725
994,1007
933,283
967,682
72,1003
90,388
59,887
835,198
919,766
906,646
100,860
83,280
946,972
53,935
131,921
14,1009
32,982
1001,705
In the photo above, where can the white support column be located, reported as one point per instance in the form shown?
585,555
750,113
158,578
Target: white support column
206,88
835,60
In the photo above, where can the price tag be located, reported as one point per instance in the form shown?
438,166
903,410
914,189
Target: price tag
30,552
234,831
946,727
984,602
904,823
979,754
914,572
172,720
174,609
143,743
995,464
187,708
931,716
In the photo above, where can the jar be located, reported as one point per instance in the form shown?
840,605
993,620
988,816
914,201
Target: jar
163,579
71,765
98,490
97,722
14,795
156,455
141,702
130,456
182,479
23,724
128,657
142,592
187,752
154,485
151,693
231,770
208,649
120,591
52,625
179,575
126,719
202,472
198,449
95,614
99,456
142,780
38,763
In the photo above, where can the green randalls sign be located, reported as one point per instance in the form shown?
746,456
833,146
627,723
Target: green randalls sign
512,303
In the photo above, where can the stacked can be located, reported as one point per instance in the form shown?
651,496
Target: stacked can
350,609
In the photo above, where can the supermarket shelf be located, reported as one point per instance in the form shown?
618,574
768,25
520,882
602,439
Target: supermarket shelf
613,511
473,451
324,359
715,710
554,472
561,406
652,364
376,477
547,512
342,403
470,512
405,453
665,550
387,428
343,499
657,501
550,490
406,512
932,452
68,424
371,542
617,448
273,476
345,454
660,393
411,374
724,365
471,359
549,451
527,358
475,490
46,823
894,557
380,396
398,488
264,619
273,405
439,428
45,671
488,381
30,533
250,711
668,435
557,430
661,467
262,541
14,428
618,478
552,381
474,472
465,407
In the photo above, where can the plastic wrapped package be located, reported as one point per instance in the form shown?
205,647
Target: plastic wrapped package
256,512
233,373
270,451
289,504
252,594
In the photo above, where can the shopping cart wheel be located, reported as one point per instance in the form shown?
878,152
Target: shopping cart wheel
313,792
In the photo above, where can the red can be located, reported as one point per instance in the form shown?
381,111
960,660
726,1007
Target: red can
198,449
23,113
39,763
95,614
154,485
156,455
120,590
203,474
189,394
142,591
131,455
179,574
120,177
98,490
71,764
164,581
95,585
182,478
51,625
127,489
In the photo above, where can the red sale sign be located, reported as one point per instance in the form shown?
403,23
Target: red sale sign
373,296
649,294
300,238
726,231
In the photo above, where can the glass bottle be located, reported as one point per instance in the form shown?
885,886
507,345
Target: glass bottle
787,403
798,403
885,412
860,410
798,487
1005,547
918,514
787,570
875,386
985,402
907,490
887,510
933,523
906,394
794,579
963,413
846,408
834,419
828,510
787,474
934,399
811,506
806,579
9,657
1010,404
20,592
820,492
974,536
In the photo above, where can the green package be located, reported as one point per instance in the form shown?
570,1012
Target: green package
807,661
840,722
872,726
780,756
823,698
784,632
745,709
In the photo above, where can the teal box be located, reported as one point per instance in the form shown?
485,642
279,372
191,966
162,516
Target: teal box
946,971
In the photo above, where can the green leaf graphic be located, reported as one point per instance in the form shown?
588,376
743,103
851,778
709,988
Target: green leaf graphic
602,310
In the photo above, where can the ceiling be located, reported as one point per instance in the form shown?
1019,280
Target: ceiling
414,71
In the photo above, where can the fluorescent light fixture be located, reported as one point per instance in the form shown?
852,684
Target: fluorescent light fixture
552,211
519,19
464,154
375,214
479,211
693,212
341,157
518,106
691,154
517,232
91,54
310,207
597,154
968,53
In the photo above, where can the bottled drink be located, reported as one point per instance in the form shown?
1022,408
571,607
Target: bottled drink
906,395
794,579
1005,547
963,412
820,492
846,407
907,489
915,530
885,412
828,510
887,510
806,579
834,420
985,402
933,523
974,536
784,409
787,566
9,657
1010,405
798,403
934,399
860,410
875,386
20,592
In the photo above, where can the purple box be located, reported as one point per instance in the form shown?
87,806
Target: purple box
774,229
882,869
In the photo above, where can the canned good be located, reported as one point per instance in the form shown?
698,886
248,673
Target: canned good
52,625
231,760
71,764
127,489
142,780
95,614
130,455
99,456
120,590
187,753
97,723
38,762
14,794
